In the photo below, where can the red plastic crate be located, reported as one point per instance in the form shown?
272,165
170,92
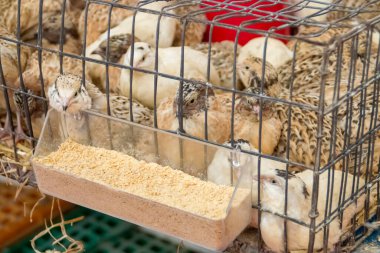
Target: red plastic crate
221,33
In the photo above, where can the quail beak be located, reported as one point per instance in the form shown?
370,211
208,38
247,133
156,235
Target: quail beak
140,62
65,104
254,81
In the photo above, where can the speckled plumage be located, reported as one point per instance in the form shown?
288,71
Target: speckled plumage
9,63
303,129
118,46
309,59
222,57
359,118
51,31
29,15
91,94
365,10
4,5
120,109
194,30
10,71
247,122
194,105
307,90
50,70
250,73
8,52
19,101
327,35
307,84
97,19
52,27
37,116
306,72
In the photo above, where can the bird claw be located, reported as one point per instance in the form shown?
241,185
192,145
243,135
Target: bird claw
5,134
21,136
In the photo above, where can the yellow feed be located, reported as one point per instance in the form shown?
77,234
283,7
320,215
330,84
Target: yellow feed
148,180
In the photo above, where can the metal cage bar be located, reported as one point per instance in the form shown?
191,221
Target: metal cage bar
358,145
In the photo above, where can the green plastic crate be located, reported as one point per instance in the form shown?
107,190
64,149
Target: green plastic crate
102,234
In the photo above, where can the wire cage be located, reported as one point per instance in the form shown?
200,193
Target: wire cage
308,110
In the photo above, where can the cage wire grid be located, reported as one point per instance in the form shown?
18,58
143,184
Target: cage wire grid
257,13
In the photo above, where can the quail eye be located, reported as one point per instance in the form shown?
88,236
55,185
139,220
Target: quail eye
273,181
143,58
192,101
76,94
246,67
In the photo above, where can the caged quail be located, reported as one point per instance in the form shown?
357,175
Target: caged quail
194,31
247,121
169,63
277,53
359,106
299,189
29,13
69,94
97,19
50,69
51,32
198,98
250,72
145,28
118,46
365,10
303,123
222,57
10,73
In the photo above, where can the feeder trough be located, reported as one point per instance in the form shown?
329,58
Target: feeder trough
145,176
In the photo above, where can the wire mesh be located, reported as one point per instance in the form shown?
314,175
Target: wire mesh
331,82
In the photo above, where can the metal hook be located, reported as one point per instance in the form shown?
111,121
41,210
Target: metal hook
235,163
235,157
